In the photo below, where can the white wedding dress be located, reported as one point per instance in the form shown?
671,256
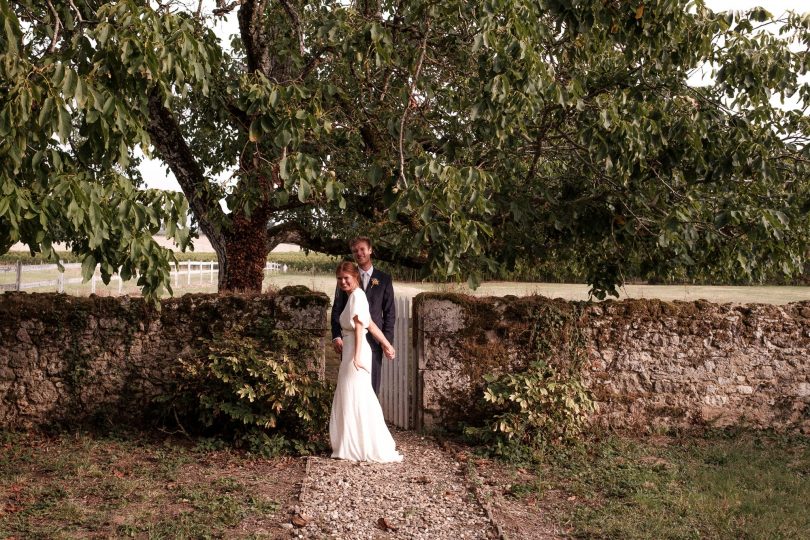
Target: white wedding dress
357,427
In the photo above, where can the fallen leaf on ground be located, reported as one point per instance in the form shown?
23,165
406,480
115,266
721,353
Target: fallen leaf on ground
386,525
299,521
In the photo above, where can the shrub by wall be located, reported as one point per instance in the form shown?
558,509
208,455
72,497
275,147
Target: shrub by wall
68,360
648,363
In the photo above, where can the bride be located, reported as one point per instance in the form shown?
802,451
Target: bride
357,428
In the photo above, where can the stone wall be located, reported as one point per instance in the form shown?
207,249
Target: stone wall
70,360
648,363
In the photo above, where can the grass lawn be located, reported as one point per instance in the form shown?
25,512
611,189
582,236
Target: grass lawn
84,486
326,283
724,485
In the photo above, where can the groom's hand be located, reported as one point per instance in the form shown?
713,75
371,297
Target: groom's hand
337,344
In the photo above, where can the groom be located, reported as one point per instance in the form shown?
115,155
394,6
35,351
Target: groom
380,293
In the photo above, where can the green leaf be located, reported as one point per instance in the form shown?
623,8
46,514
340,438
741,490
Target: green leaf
45,112
12,28
58,74
109,105
69,83
79,94
303,190
283,138
88,267
330,190
65,126
255,132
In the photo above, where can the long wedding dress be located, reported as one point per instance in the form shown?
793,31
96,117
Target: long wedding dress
357,427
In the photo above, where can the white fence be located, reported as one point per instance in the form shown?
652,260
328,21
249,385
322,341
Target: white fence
186,273
398,380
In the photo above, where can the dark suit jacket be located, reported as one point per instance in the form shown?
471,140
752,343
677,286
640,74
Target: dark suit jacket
380,302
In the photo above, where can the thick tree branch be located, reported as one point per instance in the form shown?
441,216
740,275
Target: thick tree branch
538,147
57,26
411,103
367,131
172,148
251,16
240,115
222,9
295,21
79,17
314,61
292,233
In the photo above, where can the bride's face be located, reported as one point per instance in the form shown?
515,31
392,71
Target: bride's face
346,282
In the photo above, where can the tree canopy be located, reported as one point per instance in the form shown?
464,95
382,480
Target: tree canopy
461,136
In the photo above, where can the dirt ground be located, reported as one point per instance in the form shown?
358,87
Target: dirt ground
86,486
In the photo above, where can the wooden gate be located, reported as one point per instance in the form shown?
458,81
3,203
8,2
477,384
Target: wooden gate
397,386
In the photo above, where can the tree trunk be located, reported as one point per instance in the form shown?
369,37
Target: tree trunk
241,266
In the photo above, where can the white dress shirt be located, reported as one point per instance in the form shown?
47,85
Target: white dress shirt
365,276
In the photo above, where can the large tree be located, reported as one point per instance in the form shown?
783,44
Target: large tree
461,135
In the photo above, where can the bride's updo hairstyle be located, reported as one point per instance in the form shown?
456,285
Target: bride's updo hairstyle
348,267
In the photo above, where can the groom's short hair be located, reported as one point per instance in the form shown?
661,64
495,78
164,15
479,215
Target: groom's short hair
357,239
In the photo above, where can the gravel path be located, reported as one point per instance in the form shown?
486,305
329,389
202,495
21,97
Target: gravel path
426,496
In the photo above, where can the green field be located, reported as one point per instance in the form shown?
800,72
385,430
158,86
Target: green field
324,282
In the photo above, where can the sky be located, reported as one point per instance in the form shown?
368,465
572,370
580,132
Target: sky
156,176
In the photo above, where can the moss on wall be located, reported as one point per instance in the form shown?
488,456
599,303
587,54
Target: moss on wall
73,360
647,362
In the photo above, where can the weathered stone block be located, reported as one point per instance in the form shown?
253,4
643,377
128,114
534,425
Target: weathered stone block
442,317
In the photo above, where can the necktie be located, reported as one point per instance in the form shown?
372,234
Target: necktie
365,281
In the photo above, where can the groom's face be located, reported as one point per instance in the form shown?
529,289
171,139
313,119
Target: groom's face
362,254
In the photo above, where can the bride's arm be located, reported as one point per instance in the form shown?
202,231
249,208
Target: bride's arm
388,349
357,359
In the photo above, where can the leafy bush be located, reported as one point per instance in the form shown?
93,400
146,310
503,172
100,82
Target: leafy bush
537,406
255,390
545,404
